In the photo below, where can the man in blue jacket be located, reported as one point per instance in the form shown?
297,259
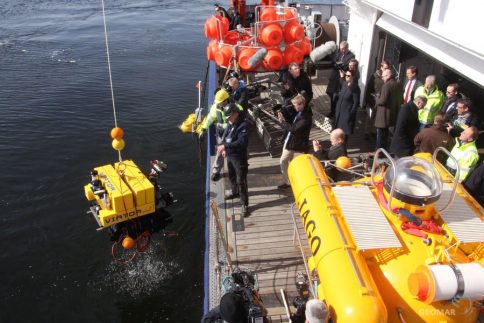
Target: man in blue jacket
234,147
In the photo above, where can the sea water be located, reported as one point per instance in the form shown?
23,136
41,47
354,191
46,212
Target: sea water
55,118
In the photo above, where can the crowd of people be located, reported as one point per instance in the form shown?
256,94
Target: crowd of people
406,116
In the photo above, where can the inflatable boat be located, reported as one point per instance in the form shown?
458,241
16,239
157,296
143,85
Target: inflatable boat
403,244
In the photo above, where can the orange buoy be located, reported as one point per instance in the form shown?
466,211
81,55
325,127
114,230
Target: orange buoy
223,55
212,48
232,37
117,133
268,14
128,243
306,46
244,55
216,27
293,54
343,162
293,31
271,34
273,60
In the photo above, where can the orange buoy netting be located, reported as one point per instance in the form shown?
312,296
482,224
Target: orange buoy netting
128,250
276,29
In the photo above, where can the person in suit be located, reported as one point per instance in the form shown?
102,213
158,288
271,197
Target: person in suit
295,81
474,184
410,85
449,108
341,61
407,127
348,103
387,105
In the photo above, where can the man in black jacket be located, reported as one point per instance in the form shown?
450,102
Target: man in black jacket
234,147
297,124
407,127
295,82
475,184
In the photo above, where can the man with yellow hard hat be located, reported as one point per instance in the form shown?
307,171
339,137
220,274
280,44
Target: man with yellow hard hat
217,116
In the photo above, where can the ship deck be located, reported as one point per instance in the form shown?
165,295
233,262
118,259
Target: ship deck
265,242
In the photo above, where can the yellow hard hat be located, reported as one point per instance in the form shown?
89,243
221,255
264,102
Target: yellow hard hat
221,96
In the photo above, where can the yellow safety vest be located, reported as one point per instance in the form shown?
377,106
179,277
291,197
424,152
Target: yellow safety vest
467,158
218,114
433,105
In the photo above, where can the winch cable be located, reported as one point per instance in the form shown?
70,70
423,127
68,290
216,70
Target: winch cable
110,74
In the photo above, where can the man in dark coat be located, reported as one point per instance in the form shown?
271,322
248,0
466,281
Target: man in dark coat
407,127
297,124
348,103
387,105
449,108
234,147
294,82
221,11
463,119
341,62
429,139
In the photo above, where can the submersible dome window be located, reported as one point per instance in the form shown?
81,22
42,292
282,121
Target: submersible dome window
417,181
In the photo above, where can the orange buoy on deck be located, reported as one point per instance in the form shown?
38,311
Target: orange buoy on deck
293,31
223,55
271,34
293,54
306,46
268,14
273,60
216,27
212,48
244,55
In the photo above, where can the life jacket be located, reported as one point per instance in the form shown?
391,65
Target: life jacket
467,158
434,102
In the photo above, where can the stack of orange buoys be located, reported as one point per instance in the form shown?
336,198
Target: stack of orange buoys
276,28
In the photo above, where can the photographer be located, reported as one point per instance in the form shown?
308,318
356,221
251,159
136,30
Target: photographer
295,82
341,62
240,304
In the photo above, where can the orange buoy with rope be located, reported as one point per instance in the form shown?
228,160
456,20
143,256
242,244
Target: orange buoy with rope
216,27
128,243
271,34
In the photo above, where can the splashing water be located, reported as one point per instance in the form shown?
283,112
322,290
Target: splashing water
144,275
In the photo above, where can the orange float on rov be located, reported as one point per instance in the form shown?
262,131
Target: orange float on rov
293,31
223,55
271,34
293,54
244,55
273,60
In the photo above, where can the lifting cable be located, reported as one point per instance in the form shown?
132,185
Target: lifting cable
110,74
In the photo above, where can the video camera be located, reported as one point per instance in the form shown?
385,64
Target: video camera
243,283
341,66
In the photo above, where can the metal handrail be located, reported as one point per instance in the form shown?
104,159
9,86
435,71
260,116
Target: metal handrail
373,168
456,177
296,231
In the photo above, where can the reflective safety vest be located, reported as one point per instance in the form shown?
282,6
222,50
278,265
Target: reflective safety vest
217,114
435,99
467,158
